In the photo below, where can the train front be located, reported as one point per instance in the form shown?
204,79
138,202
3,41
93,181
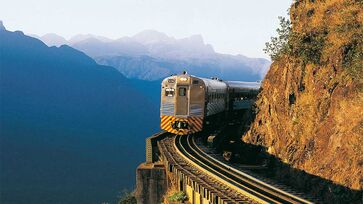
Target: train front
182,104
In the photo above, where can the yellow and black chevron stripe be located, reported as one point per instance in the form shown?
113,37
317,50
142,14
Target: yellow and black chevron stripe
195,124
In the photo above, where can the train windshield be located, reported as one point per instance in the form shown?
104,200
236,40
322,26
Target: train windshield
182,91
169,92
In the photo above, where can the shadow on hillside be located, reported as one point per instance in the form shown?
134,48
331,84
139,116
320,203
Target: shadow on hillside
324,190
320,189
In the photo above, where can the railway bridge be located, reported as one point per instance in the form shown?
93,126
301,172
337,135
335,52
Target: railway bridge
179,163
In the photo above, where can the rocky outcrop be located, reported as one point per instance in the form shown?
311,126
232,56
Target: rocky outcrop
310,114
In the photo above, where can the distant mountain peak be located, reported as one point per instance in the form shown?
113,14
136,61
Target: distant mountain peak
52,39
2,27
82,37
52,35
151,55
196,38
151,36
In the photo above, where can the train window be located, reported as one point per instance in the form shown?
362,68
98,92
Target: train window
169,92
182,91
195,82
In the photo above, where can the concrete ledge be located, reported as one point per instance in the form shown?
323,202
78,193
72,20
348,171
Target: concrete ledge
151,183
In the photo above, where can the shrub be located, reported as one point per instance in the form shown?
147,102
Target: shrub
127,198
306,46
178,197
279,45
353,56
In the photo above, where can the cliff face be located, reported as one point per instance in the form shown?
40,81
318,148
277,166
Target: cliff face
310,113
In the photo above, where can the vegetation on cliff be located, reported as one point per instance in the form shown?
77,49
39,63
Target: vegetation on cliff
179,196
310,109
127,198
343,34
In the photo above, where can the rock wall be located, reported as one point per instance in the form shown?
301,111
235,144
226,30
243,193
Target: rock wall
310,115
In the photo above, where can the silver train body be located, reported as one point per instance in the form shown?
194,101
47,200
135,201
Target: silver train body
188,101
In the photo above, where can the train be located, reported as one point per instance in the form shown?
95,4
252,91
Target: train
189,103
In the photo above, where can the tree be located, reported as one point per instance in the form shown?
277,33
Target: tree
279,45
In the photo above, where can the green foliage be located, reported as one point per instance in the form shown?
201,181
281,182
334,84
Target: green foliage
127,198
306,46
353,59
279,45
353,56
178,197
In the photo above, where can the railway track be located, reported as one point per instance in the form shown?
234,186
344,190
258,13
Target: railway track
231,177
215,186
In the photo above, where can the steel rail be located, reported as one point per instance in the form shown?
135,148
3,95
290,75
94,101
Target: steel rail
170,153
267,187
250,185
211,170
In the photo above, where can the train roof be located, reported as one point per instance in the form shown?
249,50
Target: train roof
219,84
213,83
243,85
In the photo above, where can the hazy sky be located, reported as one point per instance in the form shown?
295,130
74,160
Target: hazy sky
230,26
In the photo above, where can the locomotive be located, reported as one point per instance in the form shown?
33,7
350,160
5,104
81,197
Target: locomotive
188,103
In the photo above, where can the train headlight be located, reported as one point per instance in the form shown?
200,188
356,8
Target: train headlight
183,79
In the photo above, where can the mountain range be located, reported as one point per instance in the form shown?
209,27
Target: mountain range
68,125
152,55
